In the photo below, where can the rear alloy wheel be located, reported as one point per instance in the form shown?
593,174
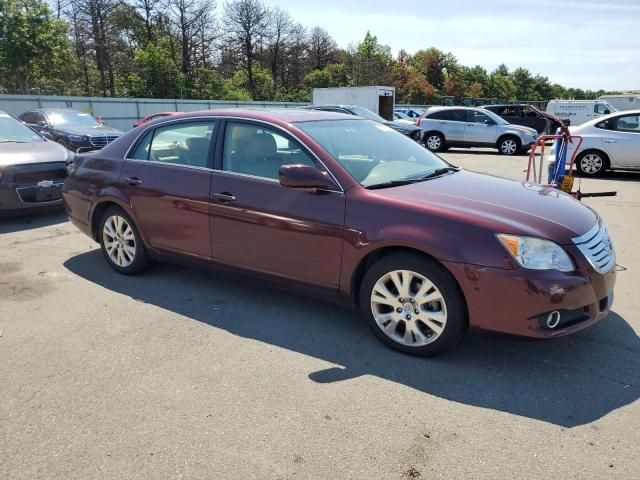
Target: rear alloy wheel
509,146
591,164
413,305
121,243
434,142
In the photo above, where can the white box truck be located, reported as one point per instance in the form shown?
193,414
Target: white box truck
625,101
381,100
576,112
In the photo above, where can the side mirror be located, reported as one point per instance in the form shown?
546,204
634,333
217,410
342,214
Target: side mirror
304,176
41,123
489,122
607,111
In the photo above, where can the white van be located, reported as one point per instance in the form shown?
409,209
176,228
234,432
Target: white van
576,112
629,101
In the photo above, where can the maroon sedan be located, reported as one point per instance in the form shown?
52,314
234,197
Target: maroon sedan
346,205
153,116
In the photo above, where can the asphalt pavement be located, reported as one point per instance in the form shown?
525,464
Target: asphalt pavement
192,374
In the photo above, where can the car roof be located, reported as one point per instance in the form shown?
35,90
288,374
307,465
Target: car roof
450,107
286,115
53,110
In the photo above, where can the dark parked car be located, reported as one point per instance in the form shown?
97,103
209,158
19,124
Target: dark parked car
32,168
347,206
527,115
76,131
409,130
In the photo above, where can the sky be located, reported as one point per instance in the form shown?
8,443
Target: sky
586,44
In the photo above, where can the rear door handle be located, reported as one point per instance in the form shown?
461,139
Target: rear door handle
224,197
133,181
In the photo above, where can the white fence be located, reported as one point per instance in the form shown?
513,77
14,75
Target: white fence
123,112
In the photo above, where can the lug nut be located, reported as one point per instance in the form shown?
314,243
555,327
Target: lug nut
399,310
401,300
412,300
408,317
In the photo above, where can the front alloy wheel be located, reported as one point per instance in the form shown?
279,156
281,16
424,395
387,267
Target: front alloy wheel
408,308
509,146
413,304
434,142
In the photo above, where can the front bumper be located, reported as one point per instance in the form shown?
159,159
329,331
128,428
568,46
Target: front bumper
32,186
519,301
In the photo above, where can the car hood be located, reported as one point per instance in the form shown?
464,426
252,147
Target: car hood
32,152
521,128
402,127
89,131
499,204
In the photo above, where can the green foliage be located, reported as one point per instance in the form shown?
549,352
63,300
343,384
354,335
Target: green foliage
119,47
35,53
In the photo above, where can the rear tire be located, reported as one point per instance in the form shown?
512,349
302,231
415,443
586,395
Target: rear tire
121,243
412,304
509,145
592,163
434,142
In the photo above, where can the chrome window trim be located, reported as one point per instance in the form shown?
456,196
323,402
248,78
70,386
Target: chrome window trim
227,118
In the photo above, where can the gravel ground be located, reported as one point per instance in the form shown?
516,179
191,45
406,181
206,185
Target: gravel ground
191,374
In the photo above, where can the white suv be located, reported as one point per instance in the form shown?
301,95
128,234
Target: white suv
445,127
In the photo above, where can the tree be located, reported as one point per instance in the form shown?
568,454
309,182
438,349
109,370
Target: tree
372,62
430,63
247,23
280,30
322,48
34,48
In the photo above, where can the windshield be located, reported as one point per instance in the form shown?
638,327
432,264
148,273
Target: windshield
495,117
72,118
12,130
366,113
372,153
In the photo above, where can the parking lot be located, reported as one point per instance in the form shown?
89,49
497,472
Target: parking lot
191,374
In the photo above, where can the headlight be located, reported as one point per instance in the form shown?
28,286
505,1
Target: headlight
77,138
536,253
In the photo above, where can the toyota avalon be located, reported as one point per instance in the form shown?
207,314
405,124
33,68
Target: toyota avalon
348,206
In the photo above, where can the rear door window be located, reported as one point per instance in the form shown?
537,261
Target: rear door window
184,143
627,123
440,115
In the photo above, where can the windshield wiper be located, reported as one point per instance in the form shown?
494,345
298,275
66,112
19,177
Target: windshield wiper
437,172
406,181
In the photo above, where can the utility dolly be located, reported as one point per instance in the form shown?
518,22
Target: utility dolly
558,175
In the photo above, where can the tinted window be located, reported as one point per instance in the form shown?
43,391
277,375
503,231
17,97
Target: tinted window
28,117
478,117
254,150
440,115
71,118
185,143
528,112
509,111
627,123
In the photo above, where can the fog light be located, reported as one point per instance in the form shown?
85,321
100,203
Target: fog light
553,319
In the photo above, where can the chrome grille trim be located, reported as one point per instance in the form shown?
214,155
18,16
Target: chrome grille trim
102,140
597,248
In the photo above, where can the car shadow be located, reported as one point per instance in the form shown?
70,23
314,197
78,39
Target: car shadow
17,222
618,175
568,381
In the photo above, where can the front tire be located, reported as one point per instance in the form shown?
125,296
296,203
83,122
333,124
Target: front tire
509,145
121,242
592,163
412,304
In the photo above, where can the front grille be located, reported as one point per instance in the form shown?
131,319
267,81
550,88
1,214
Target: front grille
35,176
102,140
597,248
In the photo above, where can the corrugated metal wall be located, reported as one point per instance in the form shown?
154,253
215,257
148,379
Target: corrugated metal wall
122,112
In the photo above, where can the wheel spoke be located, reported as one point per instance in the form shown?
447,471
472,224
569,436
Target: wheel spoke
129,251
401,282
381,294
108,226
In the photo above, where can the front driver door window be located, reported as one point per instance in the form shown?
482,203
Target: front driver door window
258,224
480,129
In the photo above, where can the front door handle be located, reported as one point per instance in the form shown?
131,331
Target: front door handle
133,181
224,197
610,140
